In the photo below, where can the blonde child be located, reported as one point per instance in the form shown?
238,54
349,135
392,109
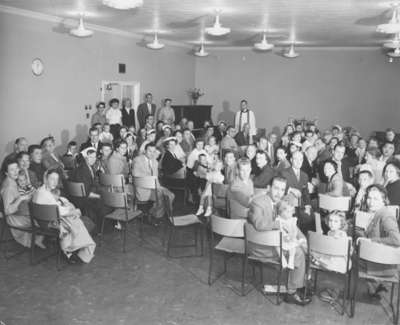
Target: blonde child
106,136
213,176
337,229
291,236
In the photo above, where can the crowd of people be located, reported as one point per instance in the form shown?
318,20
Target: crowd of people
273,180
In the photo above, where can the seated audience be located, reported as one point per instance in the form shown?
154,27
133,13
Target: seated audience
250,153
101,165
334,186
281,160
20,144
228,142
117,164
365,179
75,240
187,143
229,171
150,137
372,158
170,164
243,137
24,163
50,160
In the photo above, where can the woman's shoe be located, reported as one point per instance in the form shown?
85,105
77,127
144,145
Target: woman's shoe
208,212
200,211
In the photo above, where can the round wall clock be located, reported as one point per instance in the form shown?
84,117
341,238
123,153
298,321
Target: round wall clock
37,67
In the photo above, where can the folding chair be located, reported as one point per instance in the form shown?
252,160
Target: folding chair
231,243
45,221
335,248
271,242
177,223
76,190
122,213
177,182
147,183
113,183
372,252
331,203
219,197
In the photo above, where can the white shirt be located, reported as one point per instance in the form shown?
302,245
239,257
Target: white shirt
114,116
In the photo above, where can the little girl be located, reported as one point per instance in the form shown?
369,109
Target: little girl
291,237
337,229
24,189
106,136
213,176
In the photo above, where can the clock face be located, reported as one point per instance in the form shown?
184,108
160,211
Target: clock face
37,67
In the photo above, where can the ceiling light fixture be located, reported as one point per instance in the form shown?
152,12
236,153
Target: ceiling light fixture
201,52
393,26
291,54
395,53
394,43
155,45
81,31
123,4
217,29
264,45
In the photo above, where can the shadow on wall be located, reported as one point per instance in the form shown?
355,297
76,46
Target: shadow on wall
227,114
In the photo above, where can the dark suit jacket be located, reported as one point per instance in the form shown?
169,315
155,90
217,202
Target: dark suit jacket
143,111
83,175
301,185
128,119
264,177
310,170
170,164
88,144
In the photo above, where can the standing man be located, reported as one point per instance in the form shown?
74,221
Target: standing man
145,109
245,116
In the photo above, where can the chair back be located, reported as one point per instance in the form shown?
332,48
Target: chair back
43,214
330,203
396,210
227,227
378,253
115,200
272,238
146,182
328,245
111,181
236,210
362,219
75,189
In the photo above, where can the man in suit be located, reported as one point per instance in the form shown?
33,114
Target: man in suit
297,184
93,141
145,109
128,113
262,215
241,190
343,163
146,165
265,172
309,165
84,173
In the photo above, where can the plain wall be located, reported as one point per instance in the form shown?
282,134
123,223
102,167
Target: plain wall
53,103
350,87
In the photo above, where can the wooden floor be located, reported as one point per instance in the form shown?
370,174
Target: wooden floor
142,286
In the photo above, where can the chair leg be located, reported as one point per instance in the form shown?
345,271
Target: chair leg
124,239
225,263
353,296
170,237
398,303
2,241
315,279
58,252
201,240
345,291
211,264
244,271
102,232
278,291
32,249
195,230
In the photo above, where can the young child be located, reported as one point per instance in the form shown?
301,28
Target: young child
24,189
200,171
291,237
337,229
106,136
213,176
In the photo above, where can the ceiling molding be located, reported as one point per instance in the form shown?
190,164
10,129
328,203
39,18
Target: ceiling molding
70,22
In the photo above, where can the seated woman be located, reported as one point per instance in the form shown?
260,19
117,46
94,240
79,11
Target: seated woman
372,159
16,206
50,159
383,228
335,185
281,162
391,175
74,237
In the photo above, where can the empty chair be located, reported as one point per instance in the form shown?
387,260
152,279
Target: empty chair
124,212
331,203
230,244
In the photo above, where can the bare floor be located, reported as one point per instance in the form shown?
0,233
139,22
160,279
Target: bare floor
142,286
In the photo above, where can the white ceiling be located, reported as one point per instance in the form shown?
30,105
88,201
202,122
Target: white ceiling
333,23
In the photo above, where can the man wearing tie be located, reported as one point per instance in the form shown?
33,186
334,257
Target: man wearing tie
146,165
145,109
245,116
93,141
